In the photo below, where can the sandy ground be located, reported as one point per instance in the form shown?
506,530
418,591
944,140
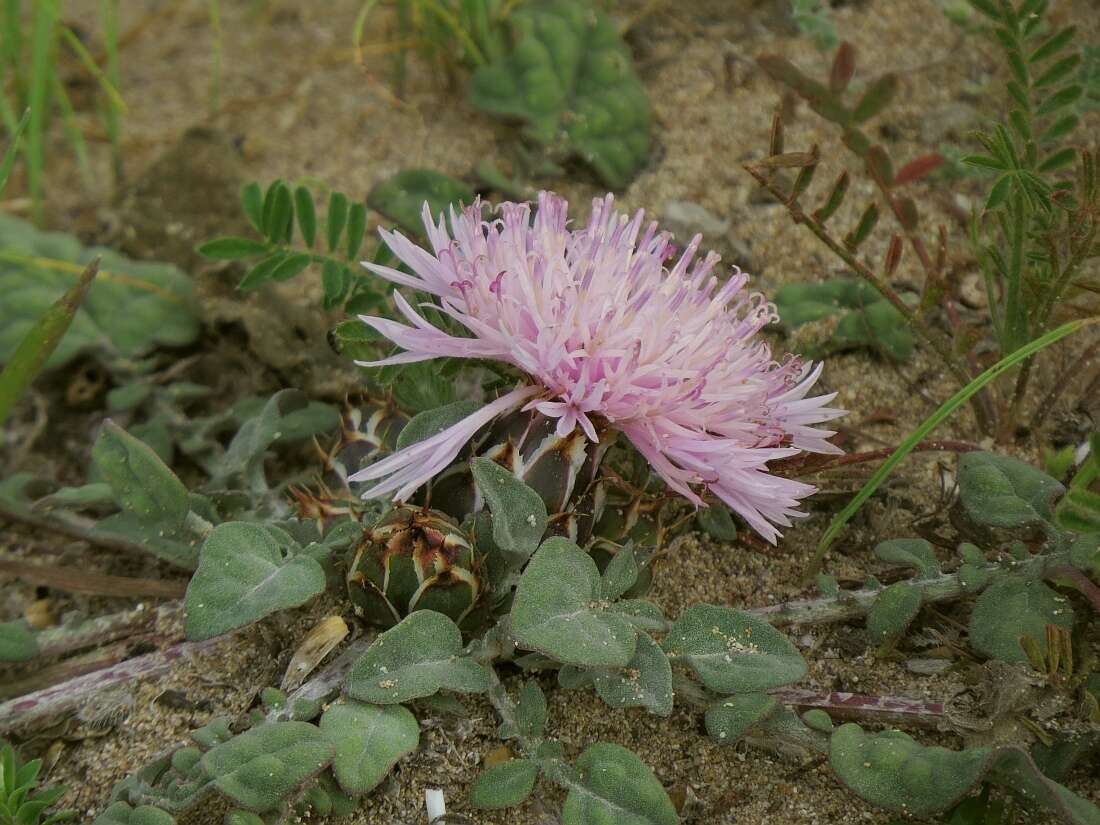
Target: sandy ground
293,104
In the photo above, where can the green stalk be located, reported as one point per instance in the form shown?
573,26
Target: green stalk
216,58
112,116
38,344
13,149
933,421
73,132
42,71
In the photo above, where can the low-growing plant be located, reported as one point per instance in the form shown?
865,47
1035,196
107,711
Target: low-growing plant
526,532
22,802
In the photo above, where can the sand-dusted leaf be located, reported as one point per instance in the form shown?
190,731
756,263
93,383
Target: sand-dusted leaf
729,719
612,785
505,785
646,681
1001,491
571,81
1014,607
642,614
914,553
245,573
620,574
402,197
557,610
420,656
519,513
261,767
369,741
732,651
893,771
131,308
892,611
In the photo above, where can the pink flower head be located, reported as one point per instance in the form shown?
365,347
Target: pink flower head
607,327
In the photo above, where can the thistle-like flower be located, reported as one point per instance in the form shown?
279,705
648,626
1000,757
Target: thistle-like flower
609,335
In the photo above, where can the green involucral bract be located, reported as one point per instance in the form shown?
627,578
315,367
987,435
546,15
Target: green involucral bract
413,559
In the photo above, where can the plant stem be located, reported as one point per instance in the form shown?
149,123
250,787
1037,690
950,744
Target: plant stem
48,705
914,320
103,629
78,580
73,531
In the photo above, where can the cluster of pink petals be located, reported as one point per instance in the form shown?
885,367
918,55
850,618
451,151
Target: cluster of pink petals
608,327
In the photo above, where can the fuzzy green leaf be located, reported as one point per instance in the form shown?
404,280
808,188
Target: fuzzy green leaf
1001,491
506,785
914,553
733,652
245,573
260,768
646,681
729,719
141,483
17,642
369,741
418,657
892,771
519,513
1014,607
612,786
531,710
557,610
131,308
403,197
892,612
120,813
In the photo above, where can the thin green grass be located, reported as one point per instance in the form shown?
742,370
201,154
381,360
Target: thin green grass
933,421
42,70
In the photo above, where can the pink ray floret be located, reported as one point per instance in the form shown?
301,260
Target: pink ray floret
609,329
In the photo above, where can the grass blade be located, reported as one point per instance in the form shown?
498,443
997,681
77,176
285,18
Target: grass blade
13,149
933,421
38,344
42,44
